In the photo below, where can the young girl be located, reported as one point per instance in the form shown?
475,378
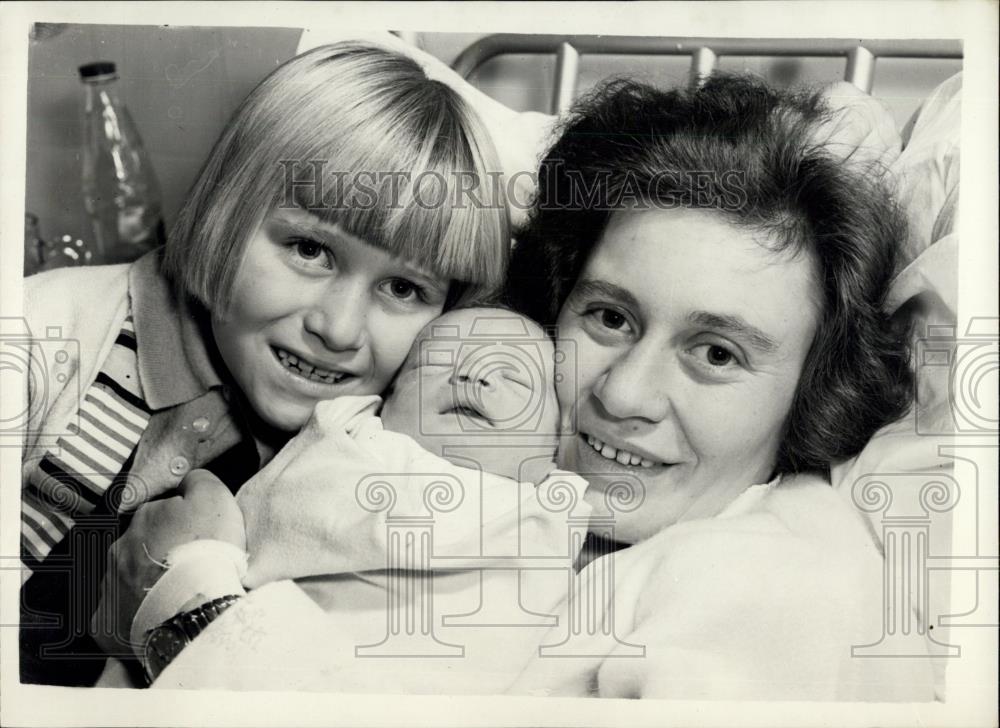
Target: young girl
321,235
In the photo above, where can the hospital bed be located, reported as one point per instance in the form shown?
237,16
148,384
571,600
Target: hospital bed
860,56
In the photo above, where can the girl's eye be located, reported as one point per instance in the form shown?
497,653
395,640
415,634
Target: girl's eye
309,249
403,290
311,252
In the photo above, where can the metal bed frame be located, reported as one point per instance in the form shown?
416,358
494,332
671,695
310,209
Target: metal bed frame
860,56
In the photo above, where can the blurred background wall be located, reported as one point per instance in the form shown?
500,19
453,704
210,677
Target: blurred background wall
181,84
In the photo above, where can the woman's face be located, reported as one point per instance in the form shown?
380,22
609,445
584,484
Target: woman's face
689,340
318,313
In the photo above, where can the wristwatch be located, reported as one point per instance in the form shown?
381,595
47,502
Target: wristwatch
165,641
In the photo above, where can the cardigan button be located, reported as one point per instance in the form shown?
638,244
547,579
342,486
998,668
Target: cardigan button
179,465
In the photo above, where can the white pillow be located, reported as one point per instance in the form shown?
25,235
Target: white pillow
908,454
928,168
926,291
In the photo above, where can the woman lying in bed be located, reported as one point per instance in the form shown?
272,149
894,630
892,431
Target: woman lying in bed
728,316
720,268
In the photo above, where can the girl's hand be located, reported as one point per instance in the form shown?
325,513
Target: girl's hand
202,509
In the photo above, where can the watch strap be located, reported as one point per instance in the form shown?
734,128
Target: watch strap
187,625
194,621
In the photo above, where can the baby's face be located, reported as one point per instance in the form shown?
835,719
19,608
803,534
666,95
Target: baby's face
477,387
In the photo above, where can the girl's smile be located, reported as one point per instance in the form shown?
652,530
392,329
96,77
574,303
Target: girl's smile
301,367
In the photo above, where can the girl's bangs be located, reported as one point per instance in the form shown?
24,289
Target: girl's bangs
423,213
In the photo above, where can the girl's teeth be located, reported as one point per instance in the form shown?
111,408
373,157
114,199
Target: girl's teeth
308,371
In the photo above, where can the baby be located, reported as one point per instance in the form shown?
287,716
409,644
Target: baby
471,375
463,453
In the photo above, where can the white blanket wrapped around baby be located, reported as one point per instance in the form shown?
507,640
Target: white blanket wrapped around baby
360,517
323,504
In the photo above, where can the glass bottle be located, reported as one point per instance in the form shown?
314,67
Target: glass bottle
120,190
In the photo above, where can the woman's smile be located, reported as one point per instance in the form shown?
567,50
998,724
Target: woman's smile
618,453
605,465
688,339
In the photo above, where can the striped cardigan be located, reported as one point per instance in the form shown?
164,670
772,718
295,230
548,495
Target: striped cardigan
109,426
78,473
86,412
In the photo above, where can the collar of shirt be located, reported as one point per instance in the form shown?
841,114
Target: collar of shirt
197,416
174,364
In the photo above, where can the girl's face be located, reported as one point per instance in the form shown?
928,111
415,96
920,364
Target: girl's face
317,313
689,340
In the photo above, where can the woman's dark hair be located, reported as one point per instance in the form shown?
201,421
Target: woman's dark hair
756,156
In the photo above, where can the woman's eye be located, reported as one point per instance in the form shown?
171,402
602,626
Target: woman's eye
611,319
605,324
716,356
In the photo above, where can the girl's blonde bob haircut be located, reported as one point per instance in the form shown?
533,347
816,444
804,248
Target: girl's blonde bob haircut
360,137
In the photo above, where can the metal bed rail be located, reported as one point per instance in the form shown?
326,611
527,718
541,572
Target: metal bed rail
860,55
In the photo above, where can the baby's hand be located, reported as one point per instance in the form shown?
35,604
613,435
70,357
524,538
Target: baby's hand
214,513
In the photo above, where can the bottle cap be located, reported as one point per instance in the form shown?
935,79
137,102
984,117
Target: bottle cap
98,71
